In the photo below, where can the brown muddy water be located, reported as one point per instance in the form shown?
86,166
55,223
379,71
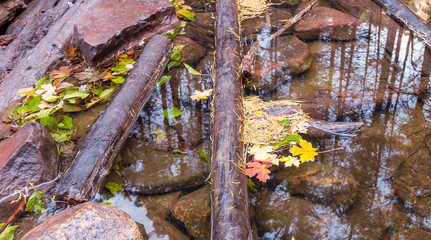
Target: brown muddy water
381,79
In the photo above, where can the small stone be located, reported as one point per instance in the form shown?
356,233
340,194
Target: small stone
251,27
30,155
200,35
327,23
321,183
154,172
205,20
194,212
112,26
87,221
279,17
192,53
286,56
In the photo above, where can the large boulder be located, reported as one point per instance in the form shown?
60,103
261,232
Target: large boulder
87,221
321,183
193,211
327,23
30,155
276,63
112,26
153,172
280,216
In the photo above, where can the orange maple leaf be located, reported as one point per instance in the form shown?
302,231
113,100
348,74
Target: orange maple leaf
259,169
62,72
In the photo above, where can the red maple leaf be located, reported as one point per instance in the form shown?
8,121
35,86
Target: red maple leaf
259,169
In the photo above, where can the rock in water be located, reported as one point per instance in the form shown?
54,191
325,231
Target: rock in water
112,26
30,155
327,23
87,221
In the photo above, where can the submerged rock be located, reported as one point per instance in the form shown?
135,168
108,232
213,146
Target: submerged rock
153,172
87,221
112,26
411,234
327,23
413,182
30,155
192,53
279,216
194,212
321,183
275,64
82,121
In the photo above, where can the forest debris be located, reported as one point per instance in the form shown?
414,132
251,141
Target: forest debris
252,8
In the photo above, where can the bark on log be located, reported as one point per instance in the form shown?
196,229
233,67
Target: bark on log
406,16
229,208
107,136
29,29
9,9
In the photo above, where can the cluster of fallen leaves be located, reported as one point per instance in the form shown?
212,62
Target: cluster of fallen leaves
73,87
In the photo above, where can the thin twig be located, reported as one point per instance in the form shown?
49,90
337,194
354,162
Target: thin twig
247,62
331,150
15,214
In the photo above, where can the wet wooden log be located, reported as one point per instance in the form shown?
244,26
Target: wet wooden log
94,159
229,201
406,16
29,28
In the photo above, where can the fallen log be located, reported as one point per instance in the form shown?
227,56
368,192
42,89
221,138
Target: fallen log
94,159
28,30
229,201
9,9
406,16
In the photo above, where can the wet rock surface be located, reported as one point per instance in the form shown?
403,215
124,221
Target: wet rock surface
275,64
30,155
321,183
411,234
192,53
112,26
280,216
193,211
82,121
327,23
87,221
9,8
413,182
153,172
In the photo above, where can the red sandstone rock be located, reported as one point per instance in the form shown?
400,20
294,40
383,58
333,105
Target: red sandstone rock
113,26
30,155
323,22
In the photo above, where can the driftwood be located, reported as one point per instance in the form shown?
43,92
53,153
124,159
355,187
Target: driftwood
107,136
229,201
30,27
247,62
406,16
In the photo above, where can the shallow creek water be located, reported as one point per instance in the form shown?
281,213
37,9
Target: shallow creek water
382,79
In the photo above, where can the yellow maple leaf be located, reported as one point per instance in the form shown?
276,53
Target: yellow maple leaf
198,95
306,151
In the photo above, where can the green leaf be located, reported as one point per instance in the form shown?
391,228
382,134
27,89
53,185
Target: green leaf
286,122
41,81
22,109
177,31
251,185
163,80
48,121
97,90
69,94
104,96
41,113
72,108
66,123
176,151
113,187
108,202
192,70
9,232
51,98
33,104
176,56
170,113
204,154
289,138
35,202
118,79
173,64
187,14
61,135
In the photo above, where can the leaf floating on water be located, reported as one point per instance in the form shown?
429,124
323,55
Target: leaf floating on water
257,169
113,187
251,185
35,202
204,154
290,161
160,135
170,113
306,151
192,70
109,202
198,95
163,80
9,232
